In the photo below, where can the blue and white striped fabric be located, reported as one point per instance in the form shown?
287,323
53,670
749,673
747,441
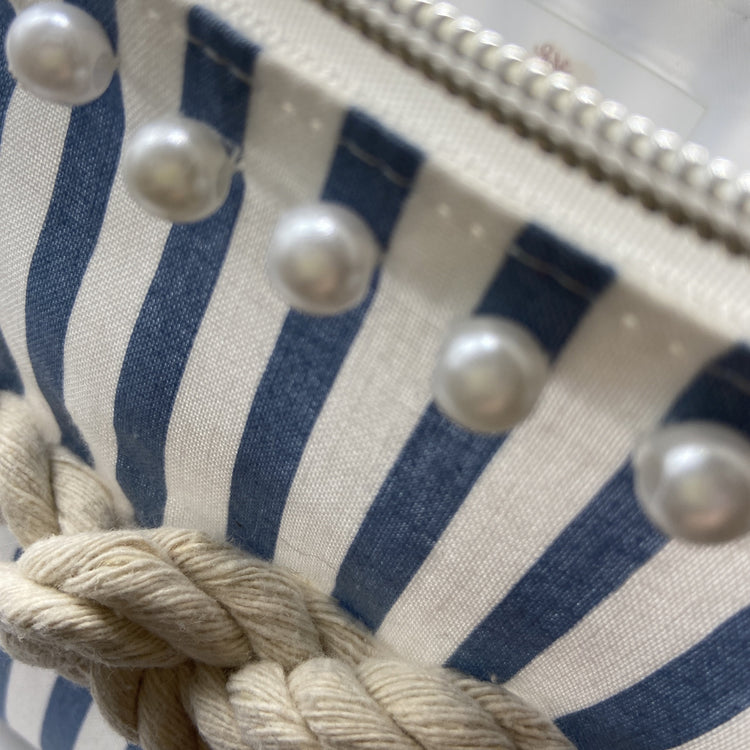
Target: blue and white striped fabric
160,356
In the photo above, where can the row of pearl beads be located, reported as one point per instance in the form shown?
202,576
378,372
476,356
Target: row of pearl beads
177,168
693,480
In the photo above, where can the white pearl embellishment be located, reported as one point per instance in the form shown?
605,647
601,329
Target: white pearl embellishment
489,374
60,53
178,169
321,258
693,481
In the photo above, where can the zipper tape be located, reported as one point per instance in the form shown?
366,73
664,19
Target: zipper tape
573,121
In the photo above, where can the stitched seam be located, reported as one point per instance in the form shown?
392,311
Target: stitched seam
547,269
734,379
373,161
364,156
214,56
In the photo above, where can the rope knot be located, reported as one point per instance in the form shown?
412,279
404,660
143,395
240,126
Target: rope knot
188,643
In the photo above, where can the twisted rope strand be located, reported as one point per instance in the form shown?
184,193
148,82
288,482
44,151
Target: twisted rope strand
190,644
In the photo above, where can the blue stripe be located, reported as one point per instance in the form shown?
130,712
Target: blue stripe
10,378
547,286
70,233
309,351
218,94
7,82
6,664
688,697
193,255
608,541
66,711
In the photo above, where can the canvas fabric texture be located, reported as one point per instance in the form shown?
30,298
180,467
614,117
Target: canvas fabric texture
162,357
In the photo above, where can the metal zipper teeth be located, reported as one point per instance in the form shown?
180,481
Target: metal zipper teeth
574,121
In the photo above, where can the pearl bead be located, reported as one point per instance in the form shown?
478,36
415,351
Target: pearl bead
693,481
489,374
60,53
321,258
178,169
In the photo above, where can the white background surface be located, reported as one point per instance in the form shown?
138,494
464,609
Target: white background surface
683,63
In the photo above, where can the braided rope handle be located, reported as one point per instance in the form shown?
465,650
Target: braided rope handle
189,644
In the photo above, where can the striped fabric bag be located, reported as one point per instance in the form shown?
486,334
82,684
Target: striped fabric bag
160,355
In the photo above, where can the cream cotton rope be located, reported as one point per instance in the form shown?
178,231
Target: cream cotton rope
187,643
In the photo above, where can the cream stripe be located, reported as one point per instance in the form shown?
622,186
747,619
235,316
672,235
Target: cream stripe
129,247
665,608
444,251
732,735
612,382
32,144
244,316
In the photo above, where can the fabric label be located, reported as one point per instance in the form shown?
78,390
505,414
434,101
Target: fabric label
591,59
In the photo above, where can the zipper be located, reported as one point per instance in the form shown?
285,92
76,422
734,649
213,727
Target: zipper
576,122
